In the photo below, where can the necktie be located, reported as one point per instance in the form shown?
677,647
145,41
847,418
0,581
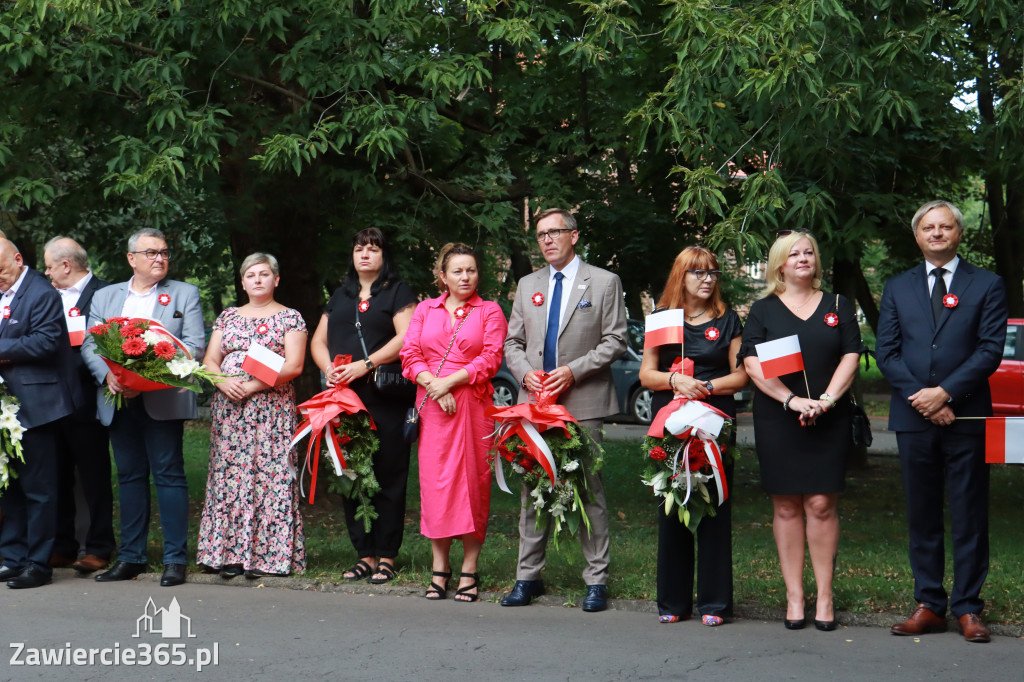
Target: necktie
551,337
938,293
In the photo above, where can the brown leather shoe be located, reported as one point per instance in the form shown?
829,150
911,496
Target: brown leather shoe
974,628
922,621
60,561
90,563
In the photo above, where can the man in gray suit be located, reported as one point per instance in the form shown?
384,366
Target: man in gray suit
568,320
146,433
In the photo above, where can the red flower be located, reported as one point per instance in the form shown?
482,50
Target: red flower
163,299
134,347
100,329
525,463
950,300
698,458
712,333
130,331
74,312
118,320
658,453
364,306
538,298
831,319
165,350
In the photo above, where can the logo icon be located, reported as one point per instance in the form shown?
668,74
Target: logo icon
169,623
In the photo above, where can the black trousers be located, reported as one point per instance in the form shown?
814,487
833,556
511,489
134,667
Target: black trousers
29,504
391,466
713,562
933,461
83,454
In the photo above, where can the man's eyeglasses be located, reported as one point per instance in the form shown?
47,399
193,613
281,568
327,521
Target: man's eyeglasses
554,234
713,275
151,254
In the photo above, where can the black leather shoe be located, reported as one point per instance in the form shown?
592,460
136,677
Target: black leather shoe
174,574
596,599
231,571
523,593
121,570
30,577
826,625
7,572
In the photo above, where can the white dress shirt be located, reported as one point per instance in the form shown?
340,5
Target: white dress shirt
568,277
947,276
69,297
5,300
139,305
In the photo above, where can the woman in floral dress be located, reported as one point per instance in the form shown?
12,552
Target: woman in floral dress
251,522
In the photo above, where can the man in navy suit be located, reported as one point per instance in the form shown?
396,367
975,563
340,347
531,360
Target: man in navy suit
84,450
146,434
35,363
940,335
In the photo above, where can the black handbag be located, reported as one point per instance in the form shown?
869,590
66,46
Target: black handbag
860,424
387,379
411,425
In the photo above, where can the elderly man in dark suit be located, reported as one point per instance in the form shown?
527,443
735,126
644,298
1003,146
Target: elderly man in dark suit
35,363
940,335
574,336
83,452
146,434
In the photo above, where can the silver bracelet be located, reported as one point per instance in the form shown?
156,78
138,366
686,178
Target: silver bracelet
785,403
672,381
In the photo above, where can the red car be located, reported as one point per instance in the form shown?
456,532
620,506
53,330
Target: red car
1008,381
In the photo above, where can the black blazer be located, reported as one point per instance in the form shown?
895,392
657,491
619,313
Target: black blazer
36,361
959,353
86,411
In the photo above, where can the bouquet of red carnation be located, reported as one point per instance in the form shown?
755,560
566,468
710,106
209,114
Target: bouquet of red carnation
686,461
144,356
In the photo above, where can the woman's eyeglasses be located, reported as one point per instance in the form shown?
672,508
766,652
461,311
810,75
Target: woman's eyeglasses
713,275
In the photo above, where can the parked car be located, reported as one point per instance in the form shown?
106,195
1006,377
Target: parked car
1007,383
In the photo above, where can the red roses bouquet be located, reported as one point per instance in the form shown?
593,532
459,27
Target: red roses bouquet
685,461
144,356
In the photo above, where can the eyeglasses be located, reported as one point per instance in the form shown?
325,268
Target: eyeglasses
554,234
151,254
713,275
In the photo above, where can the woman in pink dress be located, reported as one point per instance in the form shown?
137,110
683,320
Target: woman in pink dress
455,477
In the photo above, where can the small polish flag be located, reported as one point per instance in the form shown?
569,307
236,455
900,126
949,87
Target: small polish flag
263,363
1004,441
664,327
76,328
781,356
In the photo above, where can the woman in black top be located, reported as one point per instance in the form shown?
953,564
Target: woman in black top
802,438
383,304
712,341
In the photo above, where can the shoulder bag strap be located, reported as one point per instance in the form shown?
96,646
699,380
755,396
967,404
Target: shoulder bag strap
450,344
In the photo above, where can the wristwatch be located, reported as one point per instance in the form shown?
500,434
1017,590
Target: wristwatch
709,386
369,363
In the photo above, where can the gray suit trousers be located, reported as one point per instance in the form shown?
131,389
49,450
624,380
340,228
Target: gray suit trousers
533,541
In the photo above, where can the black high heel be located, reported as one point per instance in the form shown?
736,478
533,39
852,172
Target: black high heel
440,590
465,591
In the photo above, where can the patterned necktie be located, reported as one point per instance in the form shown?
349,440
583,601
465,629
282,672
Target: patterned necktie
551,337
938,293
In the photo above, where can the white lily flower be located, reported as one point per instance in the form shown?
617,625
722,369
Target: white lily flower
182,367
571,466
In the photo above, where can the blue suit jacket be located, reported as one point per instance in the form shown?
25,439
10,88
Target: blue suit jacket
36,360
182,317
958,353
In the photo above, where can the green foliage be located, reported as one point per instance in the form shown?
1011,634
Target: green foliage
357,481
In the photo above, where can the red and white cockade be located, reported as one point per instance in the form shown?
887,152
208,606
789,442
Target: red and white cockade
831,319
538,298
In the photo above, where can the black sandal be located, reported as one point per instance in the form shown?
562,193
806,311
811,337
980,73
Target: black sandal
440,590
465,591
386,570
359,570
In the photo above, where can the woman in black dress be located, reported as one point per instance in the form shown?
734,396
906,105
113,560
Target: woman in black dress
802,438
712,341
373,294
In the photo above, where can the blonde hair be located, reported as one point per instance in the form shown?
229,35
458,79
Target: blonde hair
447,251
777,257
690,258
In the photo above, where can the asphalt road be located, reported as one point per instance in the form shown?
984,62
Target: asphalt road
287,634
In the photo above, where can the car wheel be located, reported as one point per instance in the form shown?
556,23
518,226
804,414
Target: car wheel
505,394
640,405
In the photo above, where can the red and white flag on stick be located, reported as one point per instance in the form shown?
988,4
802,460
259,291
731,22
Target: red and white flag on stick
781,356
664,327
76,328
1004,440
263,363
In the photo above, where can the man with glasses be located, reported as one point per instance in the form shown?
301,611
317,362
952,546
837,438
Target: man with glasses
941,330
568,325
146,434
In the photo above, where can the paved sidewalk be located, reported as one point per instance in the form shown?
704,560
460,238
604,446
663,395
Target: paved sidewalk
269,633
